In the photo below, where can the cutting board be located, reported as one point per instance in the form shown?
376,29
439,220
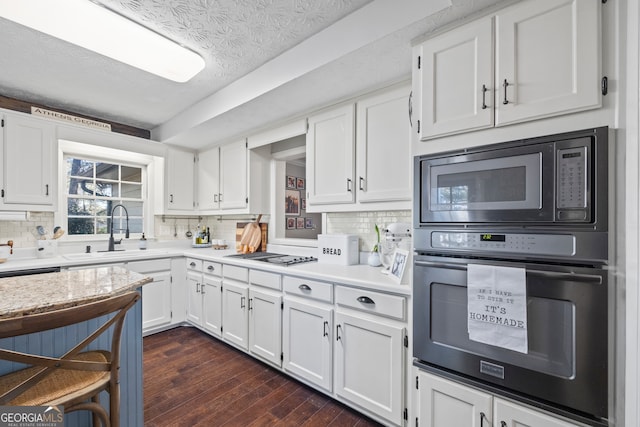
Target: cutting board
263,232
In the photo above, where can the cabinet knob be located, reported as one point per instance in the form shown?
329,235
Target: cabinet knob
365,300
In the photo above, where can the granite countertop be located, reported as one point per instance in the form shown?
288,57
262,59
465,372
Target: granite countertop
23,295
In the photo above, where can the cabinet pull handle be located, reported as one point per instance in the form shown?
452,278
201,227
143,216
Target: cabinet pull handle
365,300
503,424
242,302
361,184
220,197
170,198
215,198
197,288
338,337
46,189
202,288
504,85
210,268
349,185
304,287
484,102
250,303
482,418
192,264
325,327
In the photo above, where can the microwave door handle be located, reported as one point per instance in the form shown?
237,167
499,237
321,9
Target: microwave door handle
589,278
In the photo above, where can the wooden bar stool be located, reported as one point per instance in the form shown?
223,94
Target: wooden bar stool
75,378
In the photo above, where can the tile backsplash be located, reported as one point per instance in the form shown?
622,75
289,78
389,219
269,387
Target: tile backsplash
363,223
22,232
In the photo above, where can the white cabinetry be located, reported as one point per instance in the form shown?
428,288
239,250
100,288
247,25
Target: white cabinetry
359,156
233,179
500,70
180,180
442,402
370,351
194,291
265,316
157,295
211,290
308,331
235,314
29,172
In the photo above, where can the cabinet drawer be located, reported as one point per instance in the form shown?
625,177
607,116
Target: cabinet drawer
372,302
241,274
263,278
194,264
213,268
321,291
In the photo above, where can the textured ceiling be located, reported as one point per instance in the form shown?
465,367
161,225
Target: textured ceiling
236,38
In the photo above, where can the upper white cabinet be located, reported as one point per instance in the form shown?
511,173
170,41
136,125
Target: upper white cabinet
501,70
233,179
180,180
29,172
359,156
330,157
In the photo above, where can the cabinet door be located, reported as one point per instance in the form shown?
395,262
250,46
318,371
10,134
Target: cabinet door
209,179
156,301
180,177
28,162
194,298
235,314
510,414
456,80
307,342
233,175
384,148
444,403
265,325
543,81
330,157
211,290
369,365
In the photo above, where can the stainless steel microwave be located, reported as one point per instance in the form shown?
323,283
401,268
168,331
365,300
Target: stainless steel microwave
540,181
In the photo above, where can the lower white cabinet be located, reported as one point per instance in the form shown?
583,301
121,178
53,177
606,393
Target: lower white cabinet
265,325
194,297
157,295
235,320
442,402
211,290
307,341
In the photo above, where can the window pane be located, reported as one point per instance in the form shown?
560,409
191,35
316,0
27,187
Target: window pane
107,189
103,207
80,226
79,167
131,191
131,174
107,171
80,207
81,187
101,227
135,225
134,208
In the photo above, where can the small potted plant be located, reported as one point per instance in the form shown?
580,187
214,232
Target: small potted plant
374,255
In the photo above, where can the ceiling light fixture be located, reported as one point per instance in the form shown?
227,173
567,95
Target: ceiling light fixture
96,28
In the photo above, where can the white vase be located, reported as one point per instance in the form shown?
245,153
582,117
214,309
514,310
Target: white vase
374,259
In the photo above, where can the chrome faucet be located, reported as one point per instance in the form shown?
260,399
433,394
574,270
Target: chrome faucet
112,242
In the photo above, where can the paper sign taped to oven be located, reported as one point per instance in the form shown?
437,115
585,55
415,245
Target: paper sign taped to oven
497,306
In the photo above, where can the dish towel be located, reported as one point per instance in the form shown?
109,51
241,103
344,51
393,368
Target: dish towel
497,306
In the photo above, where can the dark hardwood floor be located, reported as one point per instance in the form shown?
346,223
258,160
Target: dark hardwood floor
191,379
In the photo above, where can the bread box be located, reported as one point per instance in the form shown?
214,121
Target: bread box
338,249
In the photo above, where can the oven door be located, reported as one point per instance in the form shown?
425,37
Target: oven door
566,363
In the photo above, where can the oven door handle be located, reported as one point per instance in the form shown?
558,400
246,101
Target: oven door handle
589,278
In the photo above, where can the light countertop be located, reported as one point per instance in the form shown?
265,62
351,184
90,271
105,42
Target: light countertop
22,295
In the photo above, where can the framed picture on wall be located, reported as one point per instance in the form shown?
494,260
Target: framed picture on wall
291,223
292,202
291,182
300,184
303,202
300,222
308,223
398,264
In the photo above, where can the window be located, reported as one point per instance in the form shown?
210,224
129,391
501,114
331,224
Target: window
94,188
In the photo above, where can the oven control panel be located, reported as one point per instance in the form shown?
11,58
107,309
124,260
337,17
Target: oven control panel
539,244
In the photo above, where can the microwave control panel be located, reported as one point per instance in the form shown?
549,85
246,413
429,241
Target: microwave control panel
572,178
535,244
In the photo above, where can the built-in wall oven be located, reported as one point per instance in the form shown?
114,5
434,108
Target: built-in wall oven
511,277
